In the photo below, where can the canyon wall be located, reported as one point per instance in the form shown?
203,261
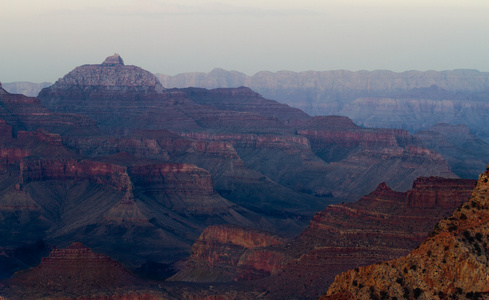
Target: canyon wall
452,261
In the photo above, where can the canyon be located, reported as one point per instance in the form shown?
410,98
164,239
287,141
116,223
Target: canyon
211,187
381,226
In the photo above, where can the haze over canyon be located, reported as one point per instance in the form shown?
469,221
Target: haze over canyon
131,185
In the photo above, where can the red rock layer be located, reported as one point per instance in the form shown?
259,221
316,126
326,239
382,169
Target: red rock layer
75,269
66,169
27,113
429,192
219,250
77,272
451,262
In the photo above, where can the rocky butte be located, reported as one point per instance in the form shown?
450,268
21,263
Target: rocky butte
451,262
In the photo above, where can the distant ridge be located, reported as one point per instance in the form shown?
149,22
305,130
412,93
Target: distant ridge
410,100
30,89
452,80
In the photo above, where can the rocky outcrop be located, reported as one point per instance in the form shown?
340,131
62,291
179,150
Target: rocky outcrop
111,73
432,192
59,169
221,250
378,227
76,266
451,261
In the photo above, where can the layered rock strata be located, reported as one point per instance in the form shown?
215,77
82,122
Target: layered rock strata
78,272
218,254
410,100
466,153
380,226
27,113
450,262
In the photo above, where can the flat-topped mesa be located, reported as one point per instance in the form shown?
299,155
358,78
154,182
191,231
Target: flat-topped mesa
428,192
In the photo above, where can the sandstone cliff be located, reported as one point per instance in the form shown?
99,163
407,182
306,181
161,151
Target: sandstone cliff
451,262
217,255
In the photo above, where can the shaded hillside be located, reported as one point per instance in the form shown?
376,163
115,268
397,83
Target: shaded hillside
451,262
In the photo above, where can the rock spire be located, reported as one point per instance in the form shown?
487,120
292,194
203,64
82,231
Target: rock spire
115,59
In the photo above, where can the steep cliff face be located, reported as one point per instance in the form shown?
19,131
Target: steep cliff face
220,250
60,169
432,192
416,114
451,261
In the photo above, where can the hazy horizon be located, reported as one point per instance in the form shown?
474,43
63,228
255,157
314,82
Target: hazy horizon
42,41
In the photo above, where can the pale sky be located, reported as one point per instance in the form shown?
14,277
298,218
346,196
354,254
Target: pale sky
44,40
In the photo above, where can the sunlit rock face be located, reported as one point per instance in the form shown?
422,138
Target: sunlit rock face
219,254
451,261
